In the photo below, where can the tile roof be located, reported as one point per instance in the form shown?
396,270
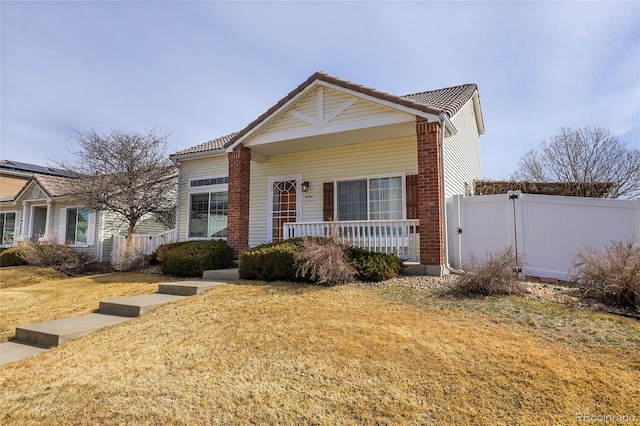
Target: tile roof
54,186
207,146
448,101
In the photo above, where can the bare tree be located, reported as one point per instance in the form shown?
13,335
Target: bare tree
126,173
583,156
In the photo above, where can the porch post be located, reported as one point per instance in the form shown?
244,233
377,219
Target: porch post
238,211
430,196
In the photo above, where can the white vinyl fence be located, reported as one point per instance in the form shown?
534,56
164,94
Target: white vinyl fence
546,230
144,243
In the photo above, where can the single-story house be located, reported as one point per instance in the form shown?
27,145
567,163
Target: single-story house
43,211
336,156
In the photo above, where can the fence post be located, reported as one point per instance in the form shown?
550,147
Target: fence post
519,235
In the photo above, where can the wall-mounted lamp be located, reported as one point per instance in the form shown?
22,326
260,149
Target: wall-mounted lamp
305,186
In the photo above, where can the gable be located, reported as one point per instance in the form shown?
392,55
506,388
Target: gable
322,111
31,192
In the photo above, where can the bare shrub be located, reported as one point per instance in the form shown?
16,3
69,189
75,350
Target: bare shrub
612,274
57,256
325,261
126,259
497,275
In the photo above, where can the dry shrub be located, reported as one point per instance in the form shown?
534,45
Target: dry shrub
612,274
495,276
325,261
61,257
126,259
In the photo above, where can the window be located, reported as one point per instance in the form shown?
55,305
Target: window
371,199
7,228
208,217
210,181
76,231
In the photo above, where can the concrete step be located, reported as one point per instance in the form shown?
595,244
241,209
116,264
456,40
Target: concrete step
136,305
54,333
14,351
187,288
224,275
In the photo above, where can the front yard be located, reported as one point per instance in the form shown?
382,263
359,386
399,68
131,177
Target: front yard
29,294
253,353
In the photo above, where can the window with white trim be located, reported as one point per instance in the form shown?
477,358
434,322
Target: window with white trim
77,227
7,228
208,215
377,198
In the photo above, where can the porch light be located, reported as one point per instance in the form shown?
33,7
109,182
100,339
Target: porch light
305,186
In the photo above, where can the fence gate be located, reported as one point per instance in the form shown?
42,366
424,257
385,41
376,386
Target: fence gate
546,230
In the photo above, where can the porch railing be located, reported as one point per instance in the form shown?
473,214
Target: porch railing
145,243
388,236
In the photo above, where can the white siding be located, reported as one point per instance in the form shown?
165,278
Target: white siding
196,169
56,212
325,165
332,100
462,153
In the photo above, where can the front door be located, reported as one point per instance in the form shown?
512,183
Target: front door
284,205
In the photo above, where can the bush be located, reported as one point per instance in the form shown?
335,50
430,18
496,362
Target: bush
61,257
325,261
128,260
271,261
11,257
612,274
372,266
495,276
314,259
191,258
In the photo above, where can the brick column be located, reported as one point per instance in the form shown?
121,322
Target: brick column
430,196
238,219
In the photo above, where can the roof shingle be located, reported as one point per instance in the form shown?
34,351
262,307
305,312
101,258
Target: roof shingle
211,145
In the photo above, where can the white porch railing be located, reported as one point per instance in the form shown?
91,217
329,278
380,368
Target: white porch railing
387,236
145,243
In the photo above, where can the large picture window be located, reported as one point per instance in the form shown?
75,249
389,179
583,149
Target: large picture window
208,217
7,228
377,198
77,228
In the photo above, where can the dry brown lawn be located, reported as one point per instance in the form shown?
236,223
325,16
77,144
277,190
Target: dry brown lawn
281,354
29,294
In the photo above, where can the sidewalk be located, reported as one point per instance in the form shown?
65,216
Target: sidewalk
33,339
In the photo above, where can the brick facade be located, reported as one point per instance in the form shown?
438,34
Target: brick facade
238,219
430,192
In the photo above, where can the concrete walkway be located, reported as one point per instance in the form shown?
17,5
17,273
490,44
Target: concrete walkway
35,338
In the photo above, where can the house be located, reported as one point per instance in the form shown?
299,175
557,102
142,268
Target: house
336,156
44,211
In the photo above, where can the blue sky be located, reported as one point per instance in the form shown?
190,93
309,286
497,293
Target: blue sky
204,69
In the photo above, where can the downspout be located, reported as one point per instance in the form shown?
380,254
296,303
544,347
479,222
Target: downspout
446,124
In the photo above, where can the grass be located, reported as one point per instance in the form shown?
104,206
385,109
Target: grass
285,354
29,294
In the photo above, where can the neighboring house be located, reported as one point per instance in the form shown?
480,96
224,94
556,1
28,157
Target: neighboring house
333,154
14,175
43,211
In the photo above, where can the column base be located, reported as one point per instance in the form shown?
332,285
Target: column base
409,268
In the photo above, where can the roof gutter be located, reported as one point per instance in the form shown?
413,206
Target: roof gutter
202,154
